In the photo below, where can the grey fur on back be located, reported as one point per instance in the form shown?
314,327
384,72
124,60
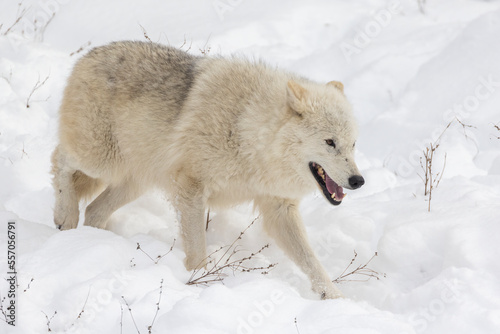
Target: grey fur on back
144,69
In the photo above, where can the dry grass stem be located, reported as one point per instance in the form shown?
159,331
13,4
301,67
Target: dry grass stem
131,315
361,270
21,11
150,327
158,257
37,86
83,308
49,320
2,310
29,285
145,33
80,49
215,269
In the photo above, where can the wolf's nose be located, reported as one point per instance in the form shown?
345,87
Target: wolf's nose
356,181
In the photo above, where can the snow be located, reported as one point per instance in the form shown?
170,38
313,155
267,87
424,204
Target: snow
407,74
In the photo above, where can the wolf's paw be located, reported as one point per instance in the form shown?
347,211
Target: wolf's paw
328,291
332,294
195,263
65,223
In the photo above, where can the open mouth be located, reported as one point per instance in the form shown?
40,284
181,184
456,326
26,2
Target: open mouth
332,191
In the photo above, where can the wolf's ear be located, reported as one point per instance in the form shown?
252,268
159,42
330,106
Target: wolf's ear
295,96
337,84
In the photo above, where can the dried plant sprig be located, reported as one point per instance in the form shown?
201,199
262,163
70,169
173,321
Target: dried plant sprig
215,269
431,180
37,86
80,49
21,11
131,315
49,320
150,327
29,284
158,257
145,33
2,310
83,308
361,270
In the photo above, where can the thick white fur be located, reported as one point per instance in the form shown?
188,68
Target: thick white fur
244,132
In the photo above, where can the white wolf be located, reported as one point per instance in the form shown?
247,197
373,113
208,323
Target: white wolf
212,132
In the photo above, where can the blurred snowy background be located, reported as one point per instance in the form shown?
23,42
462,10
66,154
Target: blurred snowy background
416,72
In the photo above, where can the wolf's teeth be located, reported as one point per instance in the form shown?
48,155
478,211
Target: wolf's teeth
321,173
335,197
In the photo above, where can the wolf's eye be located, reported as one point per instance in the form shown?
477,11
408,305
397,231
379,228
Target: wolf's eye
330,142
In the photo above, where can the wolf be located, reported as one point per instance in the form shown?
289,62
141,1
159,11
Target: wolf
211,132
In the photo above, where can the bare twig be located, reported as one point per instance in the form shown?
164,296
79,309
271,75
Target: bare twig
2,310
131,315
159,257
498,129
9,78
83,308
21,11
23,152
150,327
439,176
215,268
145,33
29,285
49,320
37,86
431,181
44,27
121,318
80,49
436,142
185,43
464,127
10,160
296,326
362,270
206,48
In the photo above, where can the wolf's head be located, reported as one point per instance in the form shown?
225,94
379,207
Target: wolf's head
323,131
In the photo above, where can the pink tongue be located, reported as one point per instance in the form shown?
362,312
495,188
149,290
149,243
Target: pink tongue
334,188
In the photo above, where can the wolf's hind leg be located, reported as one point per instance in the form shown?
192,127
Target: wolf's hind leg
66,207
282,221
111,199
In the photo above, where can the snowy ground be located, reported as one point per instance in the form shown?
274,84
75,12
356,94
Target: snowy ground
407,73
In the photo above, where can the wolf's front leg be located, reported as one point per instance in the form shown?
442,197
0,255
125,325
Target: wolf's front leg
191,212
282,221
